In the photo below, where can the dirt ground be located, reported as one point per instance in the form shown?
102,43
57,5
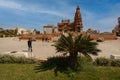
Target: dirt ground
43,50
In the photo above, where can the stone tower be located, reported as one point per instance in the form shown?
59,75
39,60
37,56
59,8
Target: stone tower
76,26
78,20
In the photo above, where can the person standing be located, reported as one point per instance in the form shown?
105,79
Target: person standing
29,45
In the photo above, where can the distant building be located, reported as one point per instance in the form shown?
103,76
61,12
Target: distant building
67,26
30,32
119,21
55,29
49,29
106,33
20,30
92,31
78,20
1,29
116,30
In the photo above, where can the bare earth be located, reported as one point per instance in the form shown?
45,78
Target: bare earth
43,50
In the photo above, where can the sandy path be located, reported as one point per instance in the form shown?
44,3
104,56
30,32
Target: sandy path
109,48
43,50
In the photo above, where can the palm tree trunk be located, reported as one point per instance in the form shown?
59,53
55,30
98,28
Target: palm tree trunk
73,60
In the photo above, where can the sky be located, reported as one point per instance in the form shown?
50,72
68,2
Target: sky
34,14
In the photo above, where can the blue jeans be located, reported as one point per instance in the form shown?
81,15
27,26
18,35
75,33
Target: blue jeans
30,48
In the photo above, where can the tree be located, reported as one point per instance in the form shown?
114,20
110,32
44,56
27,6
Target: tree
78,44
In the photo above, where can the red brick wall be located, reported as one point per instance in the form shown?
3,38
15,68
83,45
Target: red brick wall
104,36
50,36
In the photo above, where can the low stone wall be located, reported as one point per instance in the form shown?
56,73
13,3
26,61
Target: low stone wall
38,36
51,36
115,56
104,36
17,54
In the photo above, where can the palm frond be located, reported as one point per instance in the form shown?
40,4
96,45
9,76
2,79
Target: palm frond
80,43
64,43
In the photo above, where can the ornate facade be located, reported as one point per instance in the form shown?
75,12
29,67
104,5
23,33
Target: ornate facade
76,26
49,29
78,20
65,26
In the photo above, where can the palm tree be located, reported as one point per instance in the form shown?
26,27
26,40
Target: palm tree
73,45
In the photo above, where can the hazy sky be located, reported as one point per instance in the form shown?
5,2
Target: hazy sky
34,14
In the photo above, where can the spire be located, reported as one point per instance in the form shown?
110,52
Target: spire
77,8
78,20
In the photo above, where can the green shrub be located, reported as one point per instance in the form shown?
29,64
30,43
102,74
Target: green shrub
102,61
115,62
12,59
1,35
84,64
58,62
106,62
61,64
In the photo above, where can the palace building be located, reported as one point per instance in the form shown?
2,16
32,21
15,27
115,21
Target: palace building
52,33
76,26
